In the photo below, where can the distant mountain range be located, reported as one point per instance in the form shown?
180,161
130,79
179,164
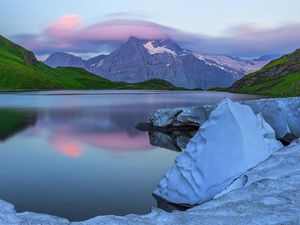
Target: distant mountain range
20,70
139,60
68,60
280,77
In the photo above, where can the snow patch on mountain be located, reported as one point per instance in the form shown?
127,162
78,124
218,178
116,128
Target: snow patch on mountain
100,63
158,50
232,64
138,60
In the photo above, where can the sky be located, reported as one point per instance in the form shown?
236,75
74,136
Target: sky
88,27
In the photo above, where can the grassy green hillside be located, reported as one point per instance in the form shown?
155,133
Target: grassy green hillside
20,70
82,79
154,84
281,77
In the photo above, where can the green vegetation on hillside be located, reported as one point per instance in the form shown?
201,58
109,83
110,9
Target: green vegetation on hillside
82,79
154,84
217,89
19,70
288,85
281,77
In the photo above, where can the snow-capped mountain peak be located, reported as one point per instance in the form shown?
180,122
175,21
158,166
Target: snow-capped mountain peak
138,60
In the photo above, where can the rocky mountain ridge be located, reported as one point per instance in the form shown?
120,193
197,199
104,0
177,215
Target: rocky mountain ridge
138,60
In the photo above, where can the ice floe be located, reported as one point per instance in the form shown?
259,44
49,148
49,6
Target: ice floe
229,143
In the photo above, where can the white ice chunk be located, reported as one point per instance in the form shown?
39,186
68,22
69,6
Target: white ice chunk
283,114
229,143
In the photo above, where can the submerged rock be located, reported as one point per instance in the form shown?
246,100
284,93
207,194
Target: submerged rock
175,140
229,143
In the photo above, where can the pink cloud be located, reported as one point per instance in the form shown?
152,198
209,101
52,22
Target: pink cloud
68,33
64,27
120,30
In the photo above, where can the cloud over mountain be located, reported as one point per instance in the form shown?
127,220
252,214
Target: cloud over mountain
68,33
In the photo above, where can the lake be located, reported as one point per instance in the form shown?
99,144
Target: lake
77,154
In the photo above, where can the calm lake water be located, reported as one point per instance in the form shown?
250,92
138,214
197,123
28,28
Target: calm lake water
76,154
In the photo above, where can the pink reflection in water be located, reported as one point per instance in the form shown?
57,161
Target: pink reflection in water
118,141
69,142
66,145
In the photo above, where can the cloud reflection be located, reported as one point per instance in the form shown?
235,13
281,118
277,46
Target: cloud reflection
66,146
120,141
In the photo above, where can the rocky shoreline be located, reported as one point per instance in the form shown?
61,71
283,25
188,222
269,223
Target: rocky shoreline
264,190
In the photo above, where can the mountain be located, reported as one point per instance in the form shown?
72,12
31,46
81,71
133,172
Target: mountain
139,60
94,61
237,66
20,70
280,77
268,57
64,60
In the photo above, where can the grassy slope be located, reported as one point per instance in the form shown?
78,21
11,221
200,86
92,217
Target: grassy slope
16,71
288,85
281,77
154,84
82,79
19,70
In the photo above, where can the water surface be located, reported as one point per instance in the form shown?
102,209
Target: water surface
76,154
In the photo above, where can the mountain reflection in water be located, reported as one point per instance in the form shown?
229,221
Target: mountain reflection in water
78,155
